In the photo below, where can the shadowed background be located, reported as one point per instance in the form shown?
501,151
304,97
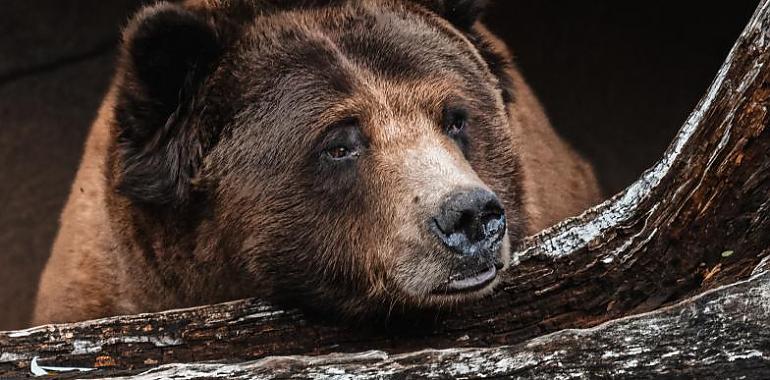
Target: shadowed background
616,78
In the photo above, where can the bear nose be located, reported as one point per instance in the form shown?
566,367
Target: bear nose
471,222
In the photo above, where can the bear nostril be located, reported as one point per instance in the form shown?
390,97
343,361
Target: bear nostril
487,225
490,226
470,222
465,223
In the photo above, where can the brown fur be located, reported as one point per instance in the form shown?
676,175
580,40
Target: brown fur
255,217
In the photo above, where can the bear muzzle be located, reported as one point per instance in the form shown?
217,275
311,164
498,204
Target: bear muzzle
471,224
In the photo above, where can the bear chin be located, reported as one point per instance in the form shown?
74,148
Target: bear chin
452,291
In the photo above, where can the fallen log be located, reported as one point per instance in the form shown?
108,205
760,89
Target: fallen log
715,333
699,219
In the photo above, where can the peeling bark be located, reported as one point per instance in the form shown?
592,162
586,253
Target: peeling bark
698,220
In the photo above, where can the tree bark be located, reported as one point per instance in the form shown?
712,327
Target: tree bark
715,333
699,219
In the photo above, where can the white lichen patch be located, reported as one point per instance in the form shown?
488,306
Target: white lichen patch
746,355
259,316
631,363
611,355
670,354
6,357
19,334
81,347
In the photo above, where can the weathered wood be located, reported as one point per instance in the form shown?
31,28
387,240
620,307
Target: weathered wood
723,332
697,220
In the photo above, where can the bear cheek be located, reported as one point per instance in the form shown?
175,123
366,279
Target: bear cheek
419,273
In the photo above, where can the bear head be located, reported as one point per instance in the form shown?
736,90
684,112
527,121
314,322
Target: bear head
349,156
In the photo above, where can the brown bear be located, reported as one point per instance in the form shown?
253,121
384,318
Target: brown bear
351,157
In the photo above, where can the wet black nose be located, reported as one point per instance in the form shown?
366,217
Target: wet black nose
471,222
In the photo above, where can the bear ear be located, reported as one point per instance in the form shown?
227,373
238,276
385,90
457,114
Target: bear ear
166,55
461,13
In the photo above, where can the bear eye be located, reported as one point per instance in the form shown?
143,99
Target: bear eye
342,142
455,122
339,152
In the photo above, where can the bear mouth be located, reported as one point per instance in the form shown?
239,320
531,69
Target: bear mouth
468,284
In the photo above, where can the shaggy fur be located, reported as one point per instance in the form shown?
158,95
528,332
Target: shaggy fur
206,176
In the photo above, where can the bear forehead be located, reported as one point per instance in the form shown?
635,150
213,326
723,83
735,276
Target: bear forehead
321,64
393,41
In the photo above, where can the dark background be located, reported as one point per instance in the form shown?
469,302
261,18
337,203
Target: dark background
617,79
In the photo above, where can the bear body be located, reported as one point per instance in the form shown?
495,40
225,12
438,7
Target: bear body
347,156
